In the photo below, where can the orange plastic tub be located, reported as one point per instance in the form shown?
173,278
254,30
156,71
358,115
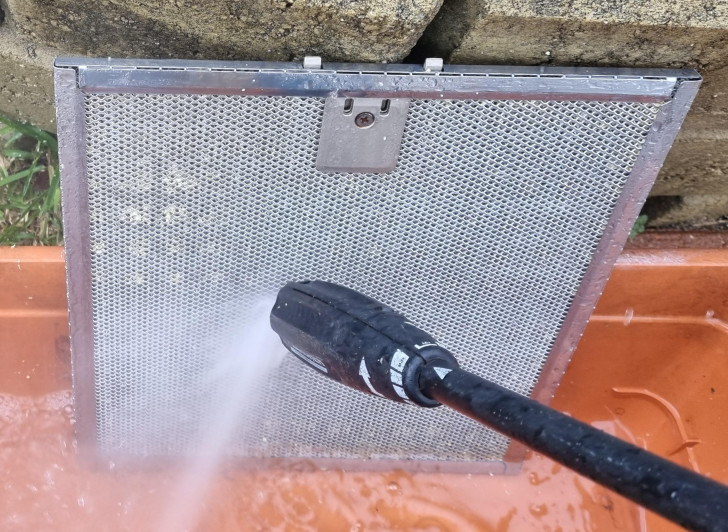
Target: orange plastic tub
651,369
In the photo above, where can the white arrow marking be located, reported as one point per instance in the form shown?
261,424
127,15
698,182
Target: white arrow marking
442,372
364,372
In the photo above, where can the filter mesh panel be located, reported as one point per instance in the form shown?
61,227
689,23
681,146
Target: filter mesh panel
200,205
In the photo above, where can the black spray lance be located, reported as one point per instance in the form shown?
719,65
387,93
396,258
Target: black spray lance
359,342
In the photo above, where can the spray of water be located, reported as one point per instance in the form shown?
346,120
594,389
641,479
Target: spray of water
240,369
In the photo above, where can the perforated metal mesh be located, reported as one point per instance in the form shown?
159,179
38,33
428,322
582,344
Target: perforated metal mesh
201,204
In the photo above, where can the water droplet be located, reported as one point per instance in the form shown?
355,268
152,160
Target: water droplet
393,487
538,510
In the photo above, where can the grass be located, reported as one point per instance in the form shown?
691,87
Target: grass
639,226
30,195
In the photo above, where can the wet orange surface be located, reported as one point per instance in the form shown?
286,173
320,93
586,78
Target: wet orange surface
651,368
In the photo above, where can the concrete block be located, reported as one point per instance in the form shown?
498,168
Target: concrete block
26,80
694,167
367,30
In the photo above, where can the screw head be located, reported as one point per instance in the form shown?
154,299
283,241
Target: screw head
364,120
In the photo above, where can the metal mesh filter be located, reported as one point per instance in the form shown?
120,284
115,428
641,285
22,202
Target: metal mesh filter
193,220
199,205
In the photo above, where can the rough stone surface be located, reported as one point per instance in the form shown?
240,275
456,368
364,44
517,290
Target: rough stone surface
700,13
366,30
579,30
694,167
26,81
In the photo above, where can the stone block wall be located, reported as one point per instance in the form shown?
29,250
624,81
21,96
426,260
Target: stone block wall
692,187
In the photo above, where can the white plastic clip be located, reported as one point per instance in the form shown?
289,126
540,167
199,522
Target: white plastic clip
312,62
433,64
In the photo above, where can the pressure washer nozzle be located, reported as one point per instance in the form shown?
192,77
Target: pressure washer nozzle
355,340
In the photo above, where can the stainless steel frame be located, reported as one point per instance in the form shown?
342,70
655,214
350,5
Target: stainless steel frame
77,77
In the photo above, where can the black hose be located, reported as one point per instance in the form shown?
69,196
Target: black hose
674,492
